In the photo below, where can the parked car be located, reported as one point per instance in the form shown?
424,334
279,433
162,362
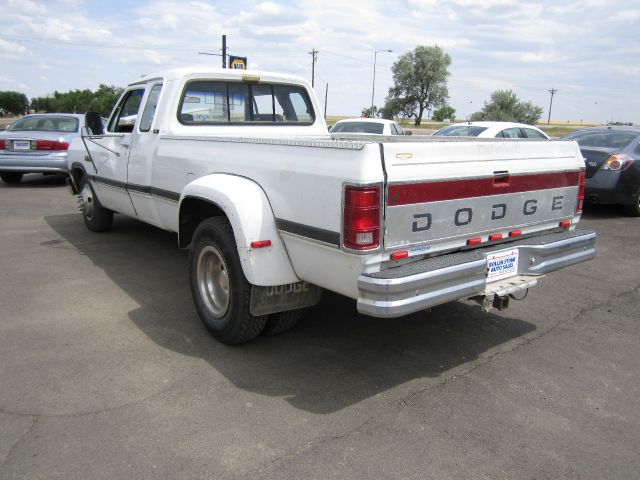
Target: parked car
376,126
492,130
37,144
612,161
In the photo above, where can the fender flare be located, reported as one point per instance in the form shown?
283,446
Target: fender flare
249,212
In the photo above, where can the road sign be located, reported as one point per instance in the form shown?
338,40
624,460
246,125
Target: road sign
237,62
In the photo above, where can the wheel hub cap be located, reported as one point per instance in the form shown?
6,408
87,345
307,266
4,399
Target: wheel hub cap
213,281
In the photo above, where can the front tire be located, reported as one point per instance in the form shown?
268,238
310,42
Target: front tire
11,177
96,217
220,290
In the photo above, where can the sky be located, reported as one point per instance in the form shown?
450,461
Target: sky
589,51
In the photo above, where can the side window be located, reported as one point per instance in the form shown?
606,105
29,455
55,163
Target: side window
531,133
127,112
262,103
150,108
293,104
512,133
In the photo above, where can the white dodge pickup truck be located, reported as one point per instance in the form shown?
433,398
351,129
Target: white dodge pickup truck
240,165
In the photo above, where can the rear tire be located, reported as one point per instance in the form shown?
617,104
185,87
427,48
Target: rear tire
11,177
220,290
96,217
282,322
634,209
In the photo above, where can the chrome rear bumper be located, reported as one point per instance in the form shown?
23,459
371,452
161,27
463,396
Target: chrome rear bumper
433,281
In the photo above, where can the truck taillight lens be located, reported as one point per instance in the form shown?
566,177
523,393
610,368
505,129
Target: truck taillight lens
2,145
51,145
580,199
361,217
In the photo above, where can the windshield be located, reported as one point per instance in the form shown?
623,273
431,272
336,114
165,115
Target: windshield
460,131
45,123
358,127
605,139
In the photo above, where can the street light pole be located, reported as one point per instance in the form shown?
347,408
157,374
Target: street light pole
373,88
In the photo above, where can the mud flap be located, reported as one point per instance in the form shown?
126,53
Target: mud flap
280,298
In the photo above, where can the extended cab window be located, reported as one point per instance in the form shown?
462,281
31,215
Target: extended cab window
213,102
150,108
125,116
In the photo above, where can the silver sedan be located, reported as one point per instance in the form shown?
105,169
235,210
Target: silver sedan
37,144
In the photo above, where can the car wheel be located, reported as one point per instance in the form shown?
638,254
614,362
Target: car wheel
281,322
220,290
96,217
11,177
634,209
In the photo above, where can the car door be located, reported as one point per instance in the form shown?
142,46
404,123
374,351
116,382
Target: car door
111,155
144,145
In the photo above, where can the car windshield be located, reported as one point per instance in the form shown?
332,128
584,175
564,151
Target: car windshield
358,127
45,123
460,131
605,139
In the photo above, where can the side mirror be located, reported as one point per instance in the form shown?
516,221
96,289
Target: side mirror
94,123
408,132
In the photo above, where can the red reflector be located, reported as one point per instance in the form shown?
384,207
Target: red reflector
399,255
565,223
474,241
361,218
2,145
51,145
261,244
495,236
515,233
580,199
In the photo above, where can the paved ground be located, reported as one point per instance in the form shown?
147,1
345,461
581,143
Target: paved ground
107,373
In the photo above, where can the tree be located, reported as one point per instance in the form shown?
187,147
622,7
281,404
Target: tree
506,107
370,112
446,112
420,83
14,102
79,101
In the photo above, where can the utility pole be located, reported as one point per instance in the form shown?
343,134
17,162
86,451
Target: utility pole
224,51
552,92
314,59
373,87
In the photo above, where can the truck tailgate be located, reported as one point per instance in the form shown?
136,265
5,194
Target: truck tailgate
440,192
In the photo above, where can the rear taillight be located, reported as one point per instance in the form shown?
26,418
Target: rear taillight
361,218
580,199
51,145
618,161
2,145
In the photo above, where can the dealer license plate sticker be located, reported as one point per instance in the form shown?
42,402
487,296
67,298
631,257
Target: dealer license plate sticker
21,145
502,265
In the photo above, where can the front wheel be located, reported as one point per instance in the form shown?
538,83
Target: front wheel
96,217
220,290
634,208
11,177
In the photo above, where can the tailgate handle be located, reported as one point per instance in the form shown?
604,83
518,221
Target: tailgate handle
501,179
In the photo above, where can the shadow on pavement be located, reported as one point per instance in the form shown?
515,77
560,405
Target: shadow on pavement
333,359
37,180
593,212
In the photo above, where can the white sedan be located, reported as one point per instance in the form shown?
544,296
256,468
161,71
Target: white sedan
375,126
492,130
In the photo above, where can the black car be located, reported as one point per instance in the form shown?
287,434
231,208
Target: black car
612,160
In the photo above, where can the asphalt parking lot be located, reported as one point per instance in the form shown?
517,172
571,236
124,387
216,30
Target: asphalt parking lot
107,373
